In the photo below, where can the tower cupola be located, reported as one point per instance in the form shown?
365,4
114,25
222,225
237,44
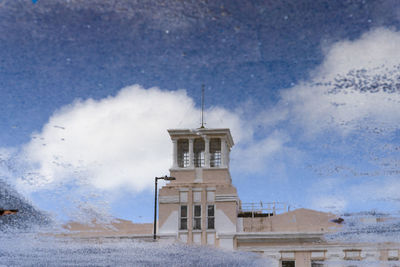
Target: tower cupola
200,148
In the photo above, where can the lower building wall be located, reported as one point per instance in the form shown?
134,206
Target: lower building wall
223,223
168,219
170,224
382,255
330,254
226,243
211,238
196,238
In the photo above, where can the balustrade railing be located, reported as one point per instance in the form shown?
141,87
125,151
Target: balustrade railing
264,208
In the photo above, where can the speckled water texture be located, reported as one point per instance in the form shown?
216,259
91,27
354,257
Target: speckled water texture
310,90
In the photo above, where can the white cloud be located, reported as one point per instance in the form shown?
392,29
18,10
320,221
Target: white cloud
373,49
320,104
352,104
119,141
91,151
253,156
334,204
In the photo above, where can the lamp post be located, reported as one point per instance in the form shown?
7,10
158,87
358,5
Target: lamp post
166,178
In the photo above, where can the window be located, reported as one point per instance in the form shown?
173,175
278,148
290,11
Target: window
317,264
393,255
288,264
352,254
287,259
198,150
317,258
183,153
197,217
210,217
215,152
183,219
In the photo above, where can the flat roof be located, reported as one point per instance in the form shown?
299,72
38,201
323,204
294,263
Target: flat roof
177,133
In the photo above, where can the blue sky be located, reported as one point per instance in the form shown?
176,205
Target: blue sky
310,90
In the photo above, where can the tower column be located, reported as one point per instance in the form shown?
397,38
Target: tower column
224,154
174,153
206,152
191,154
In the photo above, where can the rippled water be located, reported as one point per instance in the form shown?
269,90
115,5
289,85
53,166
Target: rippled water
33,249
29,238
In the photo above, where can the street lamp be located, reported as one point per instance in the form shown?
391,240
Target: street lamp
166,178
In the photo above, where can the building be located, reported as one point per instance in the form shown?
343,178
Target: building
202,207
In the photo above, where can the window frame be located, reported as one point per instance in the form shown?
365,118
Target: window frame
215,152
287,261
393,257
349,254
183,156
317,263
210,217
183,218
196,226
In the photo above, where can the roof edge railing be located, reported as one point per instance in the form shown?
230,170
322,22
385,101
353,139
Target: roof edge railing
262,209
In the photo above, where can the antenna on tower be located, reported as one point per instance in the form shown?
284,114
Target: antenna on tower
202,106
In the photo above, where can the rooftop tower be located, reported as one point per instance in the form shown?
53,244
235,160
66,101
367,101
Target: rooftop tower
201,205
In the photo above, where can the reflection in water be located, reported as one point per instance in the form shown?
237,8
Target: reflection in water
368,227
27,216
39,250
28,239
